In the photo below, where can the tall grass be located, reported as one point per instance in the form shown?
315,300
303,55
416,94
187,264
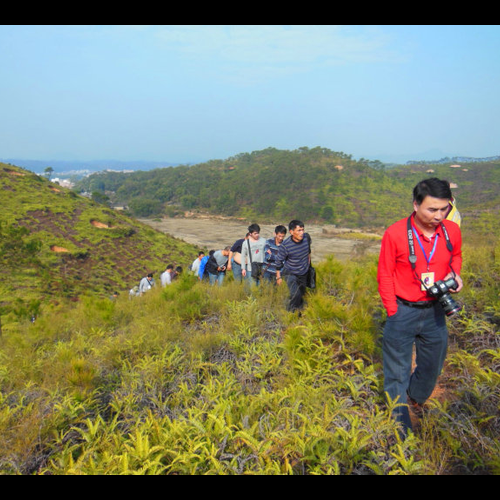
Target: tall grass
200,380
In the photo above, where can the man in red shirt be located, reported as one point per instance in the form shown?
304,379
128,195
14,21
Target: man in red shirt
416,253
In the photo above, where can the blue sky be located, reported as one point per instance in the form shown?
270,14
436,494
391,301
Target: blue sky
195,93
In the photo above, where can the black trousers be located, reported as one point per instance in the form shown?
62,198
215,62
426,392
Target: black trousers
298,287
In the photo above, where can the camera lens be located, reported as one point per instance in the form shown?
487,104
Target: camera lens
449,305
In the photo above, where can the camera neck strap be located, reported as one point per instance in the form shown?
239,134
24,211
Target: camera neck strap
411,244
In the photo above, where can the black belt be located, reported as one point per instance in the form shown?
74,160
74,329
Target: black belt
417,305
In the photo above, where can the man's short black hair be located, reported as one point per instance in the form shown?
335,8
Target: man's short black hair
294,224
254,228
435,188
280,230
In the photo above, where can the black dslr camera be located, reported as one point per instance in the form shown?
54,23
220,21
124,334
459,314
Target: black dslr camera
441,291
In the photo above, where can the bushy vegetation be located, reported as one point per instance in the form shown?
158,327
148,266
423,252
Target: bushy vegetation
475,184
334,188
198,380
319,184
55,245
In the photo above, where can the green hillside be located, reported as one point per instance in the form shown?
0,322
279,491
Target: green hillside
199,380
313,184
56,245
475,184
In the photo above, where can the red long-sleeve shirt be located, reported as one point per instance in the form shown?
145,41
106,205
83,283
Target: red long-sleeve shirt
396,277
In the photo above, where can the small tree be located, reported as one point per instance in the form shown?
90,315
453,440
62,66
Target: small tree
48,172
100,198
327,214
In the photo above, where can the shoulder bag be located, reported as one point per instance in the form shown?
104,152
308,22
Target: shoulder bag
311,274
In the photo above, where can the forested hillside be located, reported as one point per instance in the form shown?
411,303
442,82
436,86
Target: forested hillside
313,184
474,184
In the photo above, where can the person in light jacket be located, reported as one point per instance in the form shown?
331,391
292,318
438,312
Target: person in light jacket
146,284
252,251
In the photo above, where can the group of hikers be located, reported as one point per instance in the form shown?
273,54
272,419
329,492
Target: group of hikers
419,268
148,282
254,260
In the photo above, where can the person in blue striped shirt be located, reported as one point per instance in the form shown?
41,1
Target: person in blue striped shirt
271,250
293,263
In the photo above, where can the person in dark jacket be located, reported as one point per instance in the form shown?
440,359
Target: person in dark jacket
293,263
271,250
217,266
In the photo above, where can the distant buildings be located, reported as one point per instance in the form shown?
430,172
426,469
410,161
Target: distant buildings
66,183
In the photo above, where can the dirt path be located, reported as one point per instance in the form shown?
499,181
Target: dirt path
216,233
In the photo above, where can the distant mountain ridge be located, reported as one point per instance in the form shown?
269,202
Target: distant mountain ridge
95,166
454,159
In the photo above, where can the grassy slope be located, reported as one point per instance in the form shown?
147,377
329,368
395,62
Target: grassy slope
199,380
105,251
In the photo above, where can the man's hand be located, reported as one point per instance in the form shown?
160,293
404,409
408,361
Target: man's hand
458,279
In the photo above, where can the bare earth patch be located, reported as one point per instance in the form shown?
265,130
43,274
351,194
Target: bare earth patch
216,233
57,249
100,225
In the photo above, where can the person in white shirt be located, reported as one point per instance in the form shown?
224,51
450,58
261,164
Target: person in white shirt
166,277
195,266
